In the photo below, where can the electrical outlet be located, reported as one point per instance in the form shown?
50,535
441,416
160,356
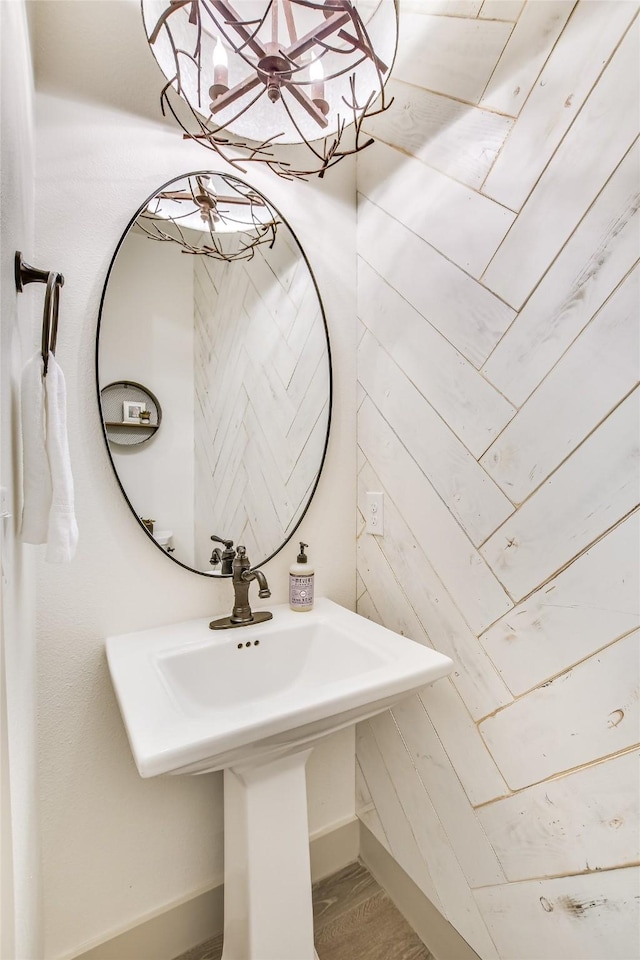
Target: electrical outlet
375,513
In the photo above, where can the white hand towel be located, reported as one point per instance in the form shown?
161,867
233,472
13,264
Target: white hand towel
36,475
62,535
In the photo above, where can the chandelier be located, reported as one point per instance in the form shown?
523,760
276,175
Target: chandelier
222,217
257,74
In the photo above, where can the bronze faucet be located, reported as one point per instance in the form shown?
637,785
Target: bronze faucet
242,575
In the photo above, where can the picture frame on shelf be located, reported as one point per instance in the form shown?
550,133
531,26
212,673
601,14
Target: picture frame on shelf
131,410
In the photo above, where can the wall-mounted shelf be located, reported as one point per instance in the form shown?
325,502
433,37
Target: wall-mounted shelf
127,433
136,426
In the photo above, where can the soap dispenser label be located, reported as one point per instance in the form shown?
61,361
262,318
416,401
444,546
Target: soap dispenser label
300,591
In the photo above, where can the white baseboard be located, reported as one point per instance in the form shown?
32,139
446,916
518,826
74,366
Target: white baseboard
334,849
441,938
185,925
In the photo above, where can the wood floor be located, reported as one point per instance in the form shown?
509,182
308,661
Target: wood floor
354,920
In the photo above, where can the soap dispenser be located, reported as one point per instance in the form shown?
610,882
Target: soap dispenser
301,577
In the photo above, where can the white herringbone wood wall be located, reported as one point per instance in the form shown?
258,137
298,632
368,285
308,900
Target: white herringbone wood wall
261,396
498,370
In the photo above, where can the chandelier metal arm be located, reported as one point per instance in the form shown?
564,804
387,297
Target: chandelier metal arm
257,153
364,48
309,144
291,24
250,36
306,43
245,86
233,20
176,52
331,154
299,47
298,94
329,49
242,201
175,5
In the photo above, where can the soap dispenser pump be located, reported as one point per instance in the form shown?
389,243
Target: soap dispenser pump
301,576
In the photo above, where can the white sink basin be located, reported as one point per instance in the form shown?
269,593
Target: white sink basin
193,701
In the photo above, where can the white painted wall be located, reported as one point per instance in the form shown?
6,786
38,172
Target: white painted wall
497,236
20,928
146,335
116,848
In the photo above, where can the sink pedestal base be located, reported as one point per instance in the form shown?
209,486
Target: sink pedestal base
268,912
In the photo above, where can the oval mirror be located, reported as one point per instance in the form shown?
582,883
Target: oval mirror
211,304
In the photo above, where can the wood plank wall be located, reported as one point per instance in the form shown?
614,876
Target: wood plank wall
498,369
261,386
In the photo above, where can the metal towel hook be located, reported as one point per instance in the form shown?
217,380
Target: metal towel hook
24,274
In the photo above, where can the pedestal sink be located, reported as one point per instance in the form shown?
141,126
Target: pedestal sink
253,702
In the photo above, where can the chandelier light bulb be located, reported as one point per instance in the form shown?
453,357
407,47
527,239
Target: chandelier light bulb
220,59
316,75
220,71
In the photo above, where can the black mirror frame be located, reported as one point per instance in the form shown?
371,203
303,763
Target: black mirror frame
211,575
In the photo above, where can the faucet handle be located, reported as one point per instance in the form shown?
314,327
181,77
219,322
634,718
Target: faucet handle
226,557
227,543
241,552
